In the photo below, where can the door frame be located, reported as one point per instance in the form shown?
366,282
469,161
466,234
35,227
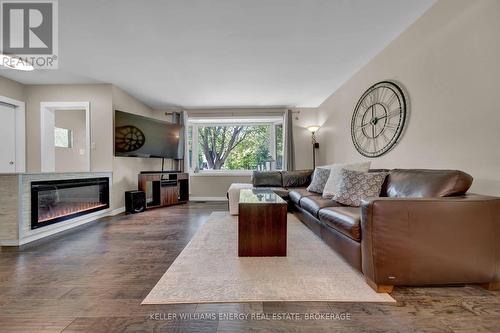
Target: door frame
47,149
20,120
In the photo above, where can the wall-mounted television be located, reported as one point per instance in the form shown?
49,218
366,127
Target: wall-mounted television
138,136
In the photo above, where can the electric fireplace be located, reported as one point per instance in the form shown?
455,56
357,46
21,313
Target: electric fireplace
59,200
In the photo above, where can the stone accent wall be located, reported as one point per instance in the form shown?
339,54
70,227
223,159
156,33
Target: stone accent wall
9,195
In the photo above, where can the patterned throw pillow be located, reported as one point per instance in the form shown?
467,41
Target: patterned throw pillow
356,186
333,182
319,178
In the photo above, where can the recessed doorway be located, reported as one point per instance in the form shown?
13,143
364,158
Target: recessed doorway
65,136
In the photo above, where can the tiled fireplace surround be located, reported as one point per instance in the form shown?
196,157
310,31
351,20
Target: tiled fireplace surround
15,203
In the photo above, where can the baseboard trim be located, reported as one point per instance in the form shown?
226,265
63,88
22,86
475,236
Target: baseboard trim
207,199
57,229
45,233
117,211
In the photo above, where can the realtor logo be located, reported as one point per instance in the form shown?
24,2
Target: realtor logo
29,31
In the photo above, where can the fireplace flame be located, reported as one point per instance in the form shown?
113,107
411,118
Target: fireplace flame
67,208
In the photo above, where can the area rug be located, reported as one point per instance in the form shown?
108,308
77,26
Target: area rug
209,270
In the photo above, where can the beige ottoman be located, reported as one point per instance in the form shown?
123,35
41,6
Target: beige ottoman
233,195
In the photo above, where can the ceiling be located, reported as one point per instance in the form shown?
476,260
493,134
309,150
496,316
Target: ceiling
205,54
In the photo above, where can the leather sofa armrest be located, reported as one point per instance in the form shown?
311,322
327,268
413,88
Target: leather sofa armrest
407,241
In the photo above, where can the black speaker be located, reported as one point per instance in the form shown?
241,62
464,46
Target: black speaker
135,201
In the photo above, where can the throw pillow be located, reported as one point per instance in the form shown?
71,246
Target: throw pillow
297,178
356,186
267,179
319,178
333,182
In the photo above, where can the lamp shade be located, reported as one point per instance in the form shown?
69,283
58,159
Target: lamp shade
313,129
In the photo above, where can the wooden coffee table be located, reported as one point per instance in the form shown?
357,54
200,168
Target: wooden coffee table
261,224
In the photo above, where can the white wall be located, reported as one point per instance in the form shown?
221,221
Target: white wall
208,186
303,138
101,120
73,158
448,61
11,89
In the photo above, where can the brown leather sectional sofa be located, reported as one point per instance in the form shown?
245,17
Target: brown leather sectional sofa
423,230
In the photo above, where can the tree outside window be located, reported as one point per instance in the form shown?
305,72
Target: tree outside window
236,147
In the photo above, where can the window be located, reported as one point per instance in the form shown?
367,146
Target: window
255,145
63,137
279,146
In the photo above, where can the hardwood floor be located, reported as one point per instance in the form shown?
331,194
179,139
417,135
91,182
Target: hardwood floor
93,279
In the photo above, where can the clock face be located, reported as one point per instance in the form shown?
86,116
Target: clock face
378,119
128,138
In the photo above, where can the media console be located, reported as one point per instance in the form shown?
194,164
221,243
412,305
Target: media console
164,188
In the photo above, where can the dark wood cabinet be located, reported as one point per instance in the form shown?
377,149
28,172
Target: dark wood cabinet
164,188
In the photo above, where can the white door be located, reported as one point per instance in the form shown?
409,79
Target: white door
7,138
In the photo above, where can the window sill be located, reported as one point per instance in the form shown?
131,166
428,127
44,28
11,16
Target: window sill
221,173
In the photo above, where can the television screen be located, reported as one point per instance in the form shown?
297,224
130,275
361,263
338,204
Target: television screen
138,136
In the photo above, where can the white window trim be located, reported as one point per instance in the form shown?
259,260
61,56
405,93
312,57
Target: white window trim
285,141
272,142
221,173
234,121
269,121
194,145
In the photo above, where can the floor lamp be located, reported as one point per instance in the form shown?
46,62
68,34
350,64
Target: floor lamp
315,144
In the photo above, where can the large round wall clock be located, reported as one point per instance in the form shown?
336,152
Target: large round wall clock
378,119
128,138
